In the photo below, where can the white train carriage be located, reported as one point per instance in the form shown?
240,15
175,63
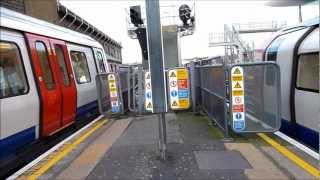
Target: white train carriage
296,50
47,79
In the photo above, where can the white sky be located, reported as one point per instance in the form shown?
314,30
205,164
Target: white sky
211,15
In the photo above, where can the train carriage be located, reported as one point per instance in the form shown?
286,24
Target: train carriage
47,79
296,50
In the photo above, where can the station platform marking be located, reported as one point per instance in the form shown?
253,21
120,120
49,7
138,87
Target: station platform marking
39,166
290,155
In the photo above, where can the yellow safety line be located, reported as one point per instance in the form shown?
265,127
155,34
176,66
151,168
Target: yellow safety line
294,158
64,151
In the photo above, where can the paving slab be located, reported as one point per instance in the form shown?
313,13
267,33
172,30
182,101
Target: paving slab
135,154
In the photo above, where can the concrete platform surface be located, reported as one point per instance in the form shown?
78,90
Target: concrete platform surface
127,149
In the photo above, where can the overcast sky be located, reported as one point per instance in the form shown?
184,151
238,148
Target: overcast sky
211,15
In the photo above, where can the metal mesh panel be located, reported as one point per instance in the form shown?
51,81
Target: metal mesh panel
261,84
212,81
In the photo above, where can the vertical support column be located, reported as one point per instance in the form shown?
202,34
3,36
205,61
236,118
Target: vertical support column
140,89
193,87
226,137
156,67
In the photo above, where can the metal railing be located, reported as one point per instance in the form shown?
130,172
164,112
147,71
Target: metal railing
209,93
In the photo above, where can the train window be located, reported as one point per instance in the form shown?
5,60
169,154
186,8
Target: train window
80,66
62,65
100,61
273,49
308,72
45,65
12,77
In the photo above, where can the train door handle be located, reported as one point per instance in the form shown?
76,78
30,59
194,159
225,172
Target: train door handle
40,78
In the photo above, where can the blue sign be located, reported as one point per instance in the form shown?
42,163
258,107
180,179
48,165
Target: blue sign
183,93
115,109
238,125
174,93
148,95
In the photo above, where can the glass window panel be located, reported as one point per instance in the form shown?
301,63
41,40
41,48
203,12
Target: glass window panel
308,71
62,65
12,78
80,66
45,65
100,62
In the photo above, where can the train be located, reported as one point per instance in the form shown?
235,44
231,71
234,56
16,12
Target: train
47,80
296,50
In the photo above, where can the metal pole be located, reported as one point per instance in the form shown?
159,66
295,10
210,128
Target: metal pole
140,89
226,137
157,71
193,87
162,136
300,14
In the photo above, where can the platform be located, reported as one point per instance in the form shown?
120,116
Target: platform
127,149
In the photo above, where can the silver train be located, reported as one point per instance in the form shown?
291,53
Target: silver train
47,80
296,50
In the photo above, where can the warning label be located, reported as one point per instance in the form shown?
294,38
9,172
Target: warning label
237,78
237,88
237,93
179,88
174,104
237,85
184,103
148,92
237,71
238,108
115,108
183,84
173,74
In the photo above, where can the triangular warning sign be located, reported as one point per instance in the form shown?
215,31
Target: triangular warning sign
111,77
173,74
237,85
237,71
148,76
174,103
112,85
149,105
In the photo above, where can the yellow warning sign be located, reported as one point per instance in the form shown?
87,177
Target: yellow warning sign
182,73
237,93
173,74
184,103
237,78
113,89
237,85
237,71
112,85
149,105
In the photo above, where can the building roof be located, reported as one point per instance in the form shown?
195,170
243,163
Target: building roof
78,23
14,20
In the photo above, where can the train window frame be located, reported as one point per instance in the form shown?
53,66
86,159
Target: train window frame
26,80
51,69
297,74
96,53
86,59
65,63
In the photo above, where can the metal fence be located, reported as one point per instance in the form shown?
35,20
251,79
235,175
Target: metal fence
209,93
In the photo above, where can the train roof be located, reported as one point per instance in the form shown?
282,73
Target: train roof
307,23
13,20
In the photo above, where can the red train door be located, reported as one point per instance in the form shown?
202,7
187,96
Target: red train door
48,86
56,87
67,83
